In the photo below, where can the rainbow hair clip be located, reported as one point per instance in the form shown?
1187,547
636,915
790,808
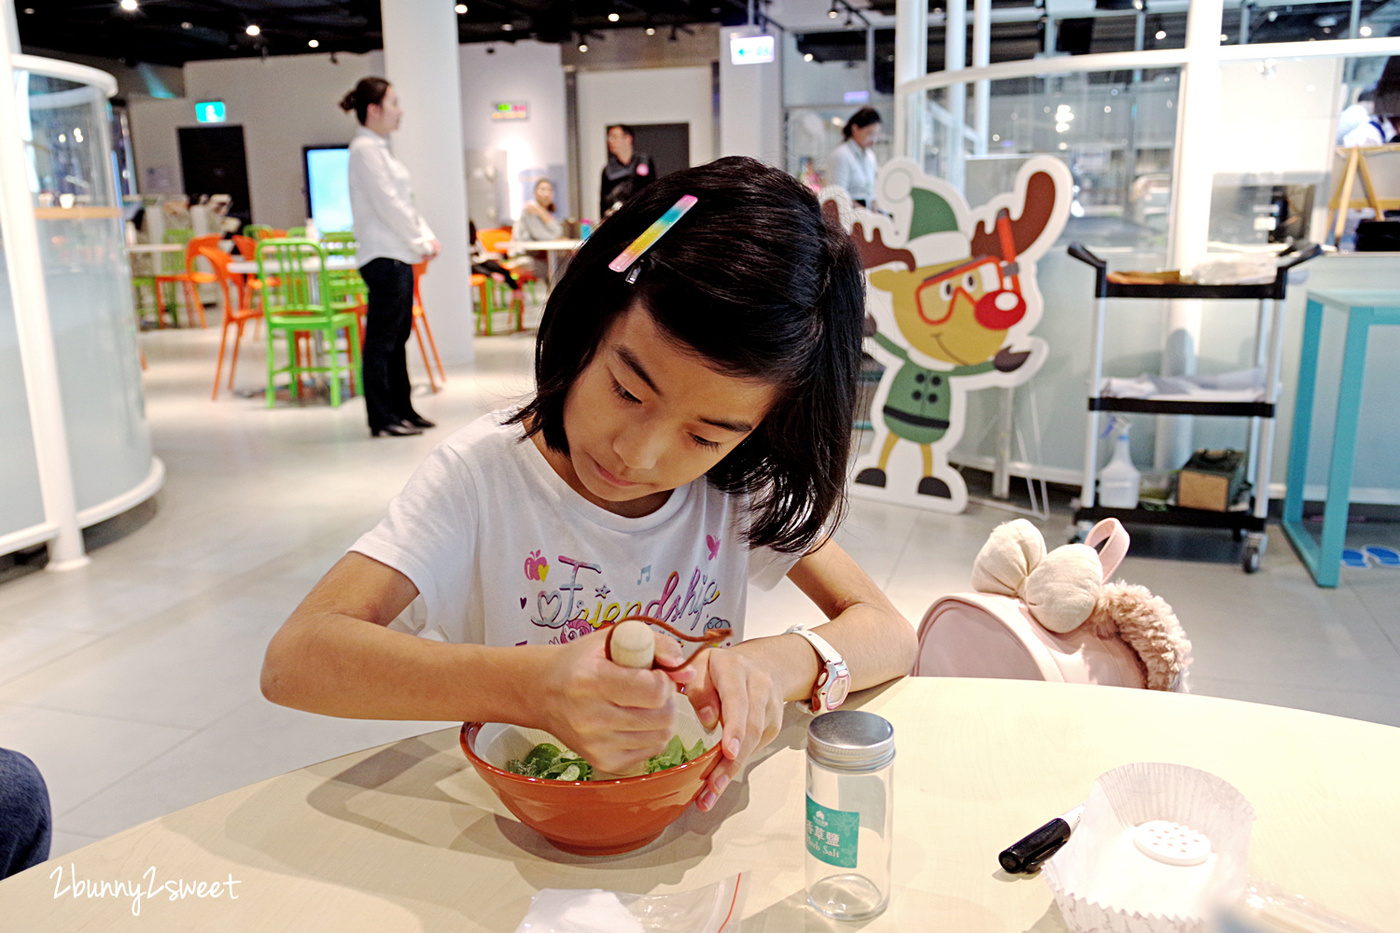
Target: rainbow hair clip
651,234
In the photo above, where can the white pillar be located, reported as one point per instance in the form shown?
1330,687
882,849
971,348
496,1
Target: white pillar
750,101
1196,131
955,59
421,62
910,63
981,58
24,262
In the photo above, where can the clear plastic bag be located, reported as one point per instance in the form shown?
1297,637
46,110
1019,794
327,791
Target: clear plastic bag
1267,908
715,908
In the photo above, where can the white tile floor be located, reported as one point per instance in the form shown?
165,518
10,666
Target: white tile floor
133,682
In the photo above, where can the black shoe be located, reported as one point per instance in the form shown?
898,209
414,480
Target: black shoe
871,476
398,429
418,421
933,486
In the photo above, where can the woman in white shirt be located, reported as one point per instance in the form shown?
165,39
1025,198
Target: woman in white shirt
852,164
391,236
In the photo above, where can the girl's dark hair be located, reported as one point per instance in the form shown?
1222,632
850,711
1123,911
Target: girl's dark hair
368,91
862,117
755,280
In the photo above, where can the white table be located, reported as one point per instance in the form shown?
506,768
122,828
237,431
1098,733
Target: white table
155,247
406,837
555,250
333,264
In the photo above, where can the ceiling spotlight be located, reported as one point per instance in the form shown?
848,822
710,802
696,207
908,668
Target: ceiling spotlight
1364,31
128,5
1273,15
253,29
460,9
187,25
313,43
613,17
807,57
583,46
1161,34
1224,38
507,27
651,30
831,13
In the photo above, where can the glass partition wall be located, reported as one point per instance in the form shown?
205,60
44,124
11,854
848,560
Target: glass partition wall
1114,120
88,328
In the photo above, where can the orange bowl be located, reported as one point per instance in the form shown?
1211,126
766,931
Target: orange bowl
601,817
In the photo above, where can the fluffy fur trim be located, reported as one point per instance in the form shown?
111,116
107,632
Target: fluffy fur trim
1150,627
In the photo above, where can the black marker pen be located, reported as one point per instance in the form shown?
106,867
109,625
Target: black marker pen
1025,856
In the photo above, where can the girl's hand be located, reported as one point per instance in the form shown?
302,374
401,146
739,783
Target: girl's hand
616,717
731,688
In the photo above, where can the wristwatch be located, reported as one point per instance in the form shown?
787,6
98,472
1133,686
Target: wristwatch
834,679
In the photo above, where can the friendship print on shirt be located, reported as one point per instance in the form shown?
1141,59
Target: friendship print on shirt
573,595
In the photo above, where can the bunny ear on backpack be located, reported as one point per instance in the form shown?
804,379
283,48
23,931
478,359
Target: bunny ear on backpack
1063,589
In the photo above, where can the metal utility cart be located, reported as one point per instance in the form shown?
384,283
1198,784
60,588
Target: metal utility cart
1268,351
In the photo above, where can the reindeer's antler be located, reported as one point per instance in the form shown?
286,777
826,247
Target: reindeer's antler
1026,229
873,251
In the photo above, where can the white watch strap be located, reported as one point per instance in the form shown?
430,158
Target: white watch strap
823,647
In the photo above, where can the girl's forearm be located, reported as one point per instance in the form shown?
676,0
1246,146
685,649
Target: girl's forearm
337,665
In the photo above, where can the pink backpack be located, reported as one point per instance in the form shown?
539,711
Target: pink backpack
1054,617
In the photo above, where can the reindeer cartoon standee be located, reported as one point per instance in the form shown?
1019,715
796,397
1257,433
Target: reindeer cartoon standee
958,316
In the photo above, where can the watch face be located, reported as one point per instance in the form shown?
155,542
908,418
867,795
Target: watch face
836,693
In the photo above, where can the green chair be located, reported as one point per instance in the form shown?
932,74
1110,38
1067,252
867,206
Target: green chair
171,273
257,231
143,276
295,295
296,232
347,288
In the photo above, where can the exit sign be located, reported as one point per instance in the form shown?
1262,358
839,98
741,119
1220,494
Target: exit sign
510,110
210,111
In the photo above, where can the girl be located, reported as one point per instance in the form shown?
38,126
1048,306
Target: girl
391,236
688,434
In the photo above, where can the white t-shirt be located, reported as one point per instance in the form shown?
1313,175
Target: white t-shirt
504,552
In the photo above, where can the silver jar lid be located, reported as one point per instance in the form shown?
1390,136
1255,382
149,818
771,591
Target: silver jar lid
850,740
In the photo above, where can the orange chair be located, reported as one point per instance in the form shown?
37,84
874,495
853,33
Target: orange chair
247,247
236,315
492,239
190,279
419,315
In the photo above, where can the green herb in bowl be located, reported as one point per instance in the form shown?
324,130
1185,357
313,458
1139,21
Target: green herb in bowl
547,760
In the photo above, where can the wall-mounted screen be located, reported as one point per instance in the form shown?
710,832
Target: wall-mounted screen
328,187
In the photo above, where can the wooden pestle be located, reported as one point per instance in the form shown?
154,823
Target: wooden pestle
632,644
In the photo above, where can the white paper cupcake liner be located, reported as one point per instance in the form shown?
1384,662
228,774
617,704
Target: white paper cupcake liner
1106,881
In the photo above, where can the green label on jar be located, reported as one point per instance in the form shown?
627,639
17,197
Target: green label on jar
832,834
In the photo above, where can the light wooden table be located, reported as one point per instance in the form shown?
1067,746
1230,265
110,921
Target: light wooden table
405,837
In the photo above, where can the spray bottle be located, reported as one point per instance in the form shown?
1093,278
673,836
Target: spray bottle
1119,481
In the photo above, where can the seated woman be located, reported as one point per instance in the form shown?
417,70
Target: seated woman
538,223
